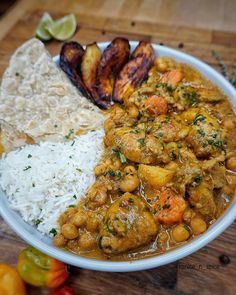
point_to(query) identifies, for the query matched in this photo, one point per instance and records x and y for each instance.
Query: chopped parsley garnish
(78, 169)
(140, 114)
(120, 155)
(166, 206)
(165, 85)
(167, 119)
(159, 134)
(199, 118)
(71, 131)
(73, 142)
(210, 141)
(17, 74)
(75, 197)
(53, 231)
(135, 131)
(105, 227)
(33, 184)
(55, 126)
(197, 179)
(201, 132)
(29, 156)
(173, 156)
(37, 221)
(219, 144)
(131, 200)
(27, 168)
(113, 173)
(71, 206)
(191, 98)
(141, 140)
(186, 227)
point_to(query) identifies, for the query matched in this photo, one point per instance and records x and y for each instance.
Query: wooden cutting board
(200, 273)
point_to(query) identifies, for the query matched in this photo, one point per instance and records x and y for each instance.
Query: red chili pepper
(62, 291)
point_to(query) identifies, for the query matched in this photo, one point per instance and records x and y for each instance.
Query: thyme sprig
(229, 75)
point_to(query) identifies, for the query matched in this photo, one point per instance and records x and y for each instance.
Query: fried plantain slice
(134, 72)
(70, 62)
(89, 66)
(114, 57)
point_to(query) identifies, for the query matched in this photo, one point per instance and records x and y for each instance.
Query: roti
(38, 99)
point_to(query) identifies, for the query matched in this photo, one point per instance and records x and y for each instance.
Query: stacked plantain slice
(108, 77)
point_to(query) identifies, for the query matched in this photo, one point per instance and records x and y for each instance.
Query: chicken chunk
(168, 129)
(205, 137)
(128, 224)
(201, 197)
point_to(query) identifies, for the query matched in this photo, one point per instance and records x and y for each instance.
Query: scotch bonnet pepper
(62, 291)
(10, 281)
(41, 270)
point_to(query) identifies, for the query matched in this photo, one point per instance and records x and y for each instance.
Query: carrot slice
(156, 105)
(171, 207)
(172, 78)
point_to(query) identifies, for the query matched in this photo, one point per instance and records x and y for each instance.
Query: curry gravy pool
(167, 171)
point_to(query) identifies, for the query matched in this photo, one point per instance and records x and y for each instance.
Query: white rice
(41, 181)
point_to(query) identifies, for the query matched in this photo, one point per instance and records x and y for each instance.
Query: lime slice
(41, 30)
(63, 28)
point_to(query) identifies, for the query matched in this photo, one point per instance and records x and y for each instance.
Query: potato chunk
(154, 175)
(128, 224)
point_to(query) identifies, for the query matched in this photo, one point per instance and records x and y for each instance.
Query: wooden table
(195, 27)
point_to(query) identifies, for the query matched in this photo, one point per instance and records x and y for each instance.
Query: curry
(167, 173)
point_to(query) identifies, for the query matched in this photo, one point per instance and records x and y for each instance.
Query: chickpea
(70, 212)
(92, 223)
(116, 164)
(130, 170)
(69, 231)
(227, 190)
(231, 179)
(97, 196)
(129, 183)
(133, 111)
(180, 233)
(162, 239)
(229, 123)
(171, 166)
(162, 65)
(231, 163)
(87, 241)
(198, 225)
(188, 214)
(79, 219)
(59, 240)
(108, 124)
(99, 169)
(62, 219)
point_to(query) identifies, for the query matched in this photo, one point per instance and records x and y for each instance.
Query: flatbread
(37, 98)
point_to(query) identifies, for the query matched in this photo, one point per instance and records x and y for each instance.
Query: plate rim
(146, 263)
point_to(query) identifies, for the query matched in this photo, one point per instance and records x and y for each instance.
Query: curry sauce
(167, 172)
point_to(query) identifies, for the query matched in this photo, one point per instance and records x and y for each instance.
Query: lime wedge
(41, 30)
(63, 28)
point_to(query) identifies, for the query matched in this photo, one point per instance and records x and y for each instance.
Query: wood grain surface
(195, 28)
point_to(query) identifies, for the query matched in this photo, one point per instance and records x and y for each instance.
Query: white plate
(34, 238)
